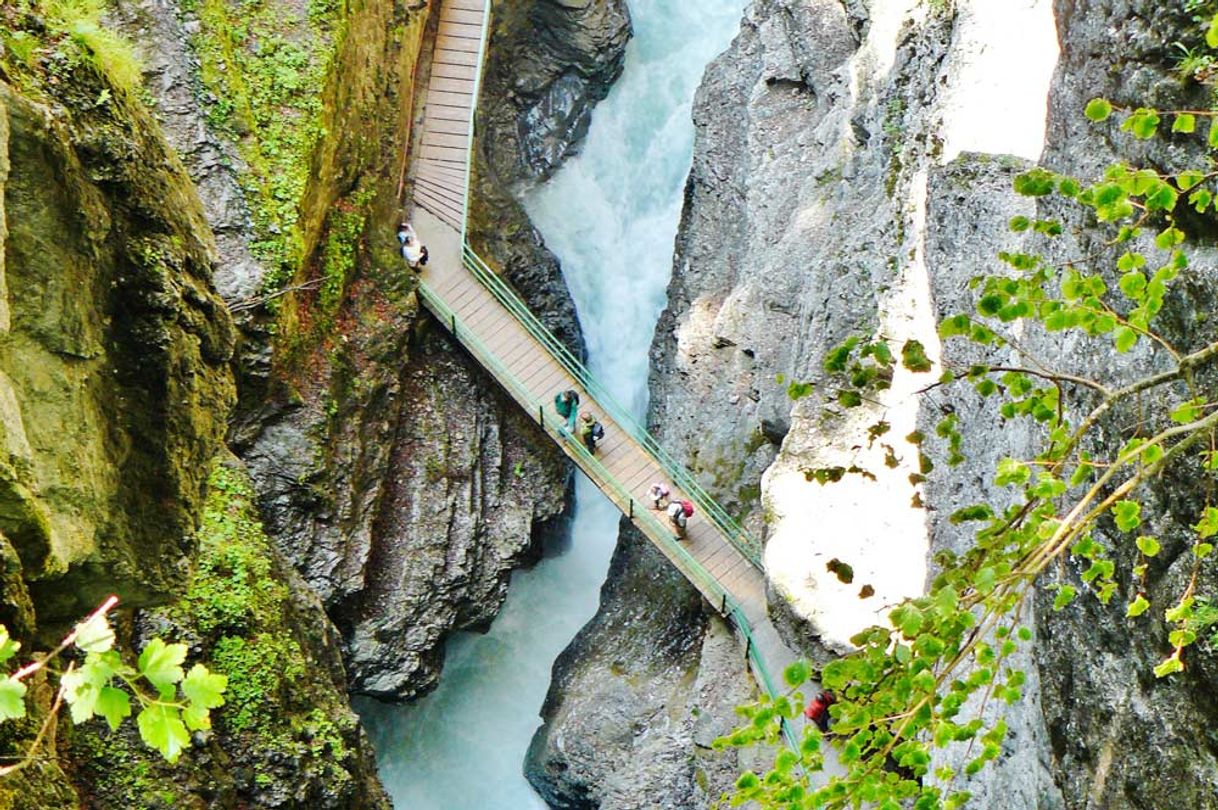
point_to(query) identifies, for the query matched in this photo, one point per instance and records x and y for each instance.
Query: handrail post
(748, 647)
(541, 415)
(454, 323)
(723, 608)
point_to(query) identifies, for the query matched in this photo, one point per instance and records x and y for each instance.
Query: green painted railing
(647, 520)
(744, 542)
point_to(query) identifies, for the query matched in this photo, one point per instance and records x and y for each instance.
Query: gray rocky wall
(399, 483)
(851, 173)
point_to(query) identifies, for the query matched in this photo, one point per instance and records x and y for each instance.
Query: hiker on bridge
(658, 494)
(818, 710)
(679, 513)
(567, 406)
(590, 431)
(413, 251)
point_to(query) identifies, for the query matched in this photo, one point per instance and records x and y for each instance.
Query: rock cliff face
(851, 174)
(549, 63)
(114, 378)
(640, 695)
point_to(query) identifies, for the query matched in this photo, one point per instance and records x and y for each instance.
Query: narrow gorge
(360, 564)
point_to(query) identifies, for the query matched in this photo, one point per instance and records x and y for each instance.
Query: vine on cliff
(924, 681)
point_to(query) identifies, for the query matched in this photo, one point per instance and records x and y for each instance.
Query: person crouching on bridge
(676, 516)
(590, 431)
(658, 495)
(413, 251)
(566, 405)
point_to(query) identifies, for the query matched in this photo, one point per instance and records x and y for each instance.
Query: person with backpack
(818, 710)
(566, 404)
(676, 516)
(590, 431)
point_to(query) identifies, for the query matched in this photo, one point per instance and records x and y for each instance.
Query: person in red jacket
(818, 710)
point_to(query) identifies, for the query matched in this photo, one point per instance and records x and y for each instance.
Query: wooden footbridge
(721, 559)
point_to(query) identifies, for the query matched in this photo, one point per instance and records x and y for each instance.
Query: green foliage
(103, 684)
(346, 226)
(904, 692)
(266, 76)
(74, 30)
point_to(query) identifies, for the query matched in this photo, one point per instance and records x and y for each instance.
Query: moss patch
(285, 735)
(265, 65)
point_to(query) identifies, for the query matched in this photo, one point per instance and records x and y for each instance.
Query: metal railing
(646, 519)
(743, 542)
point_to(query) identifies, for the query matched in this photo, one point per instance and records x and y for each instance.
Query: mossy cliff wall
(114, 349)
(115, 394)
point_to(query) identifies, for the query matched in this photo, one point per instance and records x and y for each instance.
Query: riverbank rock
(639, 695)
(549, 63)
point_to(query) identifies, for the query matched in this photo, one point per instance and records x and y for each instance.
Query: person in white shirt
(413, 250)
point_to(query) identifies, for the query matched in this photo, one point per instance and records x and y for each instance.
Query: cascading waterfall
(610, 215)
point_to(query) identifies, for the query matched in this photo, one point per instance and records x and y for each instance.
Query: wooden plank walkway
(483, 325)
(443, 148)
(527, 371)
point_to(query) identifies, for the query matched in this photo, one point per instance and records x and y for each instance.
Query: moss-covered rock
(114, 349)
(285, 736)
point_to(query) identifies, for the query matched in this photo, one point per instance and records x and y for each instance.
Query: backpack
(598, 431)
(423, 258)
(562, 406)
(687, 508)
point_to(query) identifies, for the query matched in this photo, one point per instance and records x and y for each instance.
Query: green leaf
(196, 717)
(1185, 122)
(1213, 135)
(206, 689)
(1148, 545)
(1127, 514)
(1130, 261)
(1020, 223)
(1169, 238)
(1133, 284)
(1187, 412)
(161, 663)
(794, 675)
(1208, 525)
(114, 705)
(1098, 109)
(1142, 123)
(1211, 34)
(799, 390)
(161, 727)
(81, 695)
(913, 356)
(1187, 179)
(1137, 607)
(94, 635)
(1124, 338)
(1163, 198)
(1169, 666)
(12, 699)
(8, 647)
(1035, 183)
(1065, 595)
(1011, 471)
